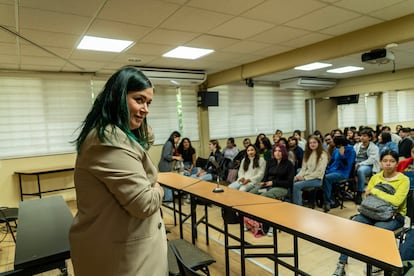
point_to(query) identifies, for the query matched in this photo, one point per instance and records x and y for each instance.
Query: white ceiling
(240, 31)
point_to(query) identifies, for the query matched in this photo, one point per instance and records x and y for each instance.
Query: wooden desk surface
(230, 197)
(175, 180)
(365, 241)
(45, 170)
(42, 232)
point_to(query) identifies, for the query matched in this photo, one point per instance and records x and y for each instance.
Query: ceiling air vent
(174, 77)
(307, 83)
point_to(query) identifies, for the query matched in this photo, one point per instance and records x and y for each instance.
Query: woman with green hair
(118, 229)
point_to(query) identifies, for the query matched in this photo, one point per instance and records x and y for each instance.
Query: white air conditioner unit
(174, 77)
(307, 83)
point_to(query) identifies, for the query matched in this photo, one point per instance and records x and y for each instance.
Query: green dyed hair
(111, 108)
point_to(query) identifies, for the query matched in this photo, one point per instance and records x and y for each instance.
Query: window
(397, 106)
(41, 115)
(363, 113)
(245, 111)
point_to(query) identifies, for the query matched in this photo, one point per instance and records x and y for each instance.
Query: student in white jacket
(366, 161)
(251, 170)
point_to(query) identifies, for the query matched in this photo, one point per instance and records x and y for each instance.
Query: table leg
(180, 211)
(275, 250)
(38, 186)
(193, 208)
(21, 188)
(242, 249)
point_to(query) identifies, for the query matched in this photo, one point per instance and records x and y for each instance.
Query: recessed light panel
(187, 52)
(103, 44)
(346, 69)
(313, 66)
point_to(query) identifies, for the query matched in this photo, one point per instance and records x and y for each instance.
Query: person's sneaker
(270, 232)
(245, 228)
(340, 270)
(358, 198)
(374, 270)
(326, 207)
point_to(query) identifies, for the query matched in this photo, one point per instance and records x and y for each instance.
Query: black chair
(8, 215)
(402, 231)
(184, 258)
(345, 189)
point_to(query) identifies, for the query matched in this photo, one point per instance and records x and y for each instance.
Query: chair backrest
(184, 269)
(410, 206)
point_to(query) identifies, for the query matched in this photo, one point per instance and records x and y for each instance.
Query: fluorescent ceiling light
(313, 66)
(345, 69)
(187, 52)
(103, 44)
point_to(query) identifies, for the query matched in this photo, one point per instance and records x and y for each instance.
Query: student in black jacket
(279, 174)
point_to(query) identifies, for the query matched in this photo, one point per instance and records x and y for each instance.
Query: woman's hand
(160, 190)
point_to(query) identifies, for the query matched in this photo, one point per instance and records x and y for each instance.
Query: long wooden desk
(226, 199)
(43, 235)
(176, 182)
(372, 245)
(37, 173)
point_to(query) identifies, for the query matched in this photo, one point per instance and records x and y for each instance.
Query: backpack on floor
(254, 226)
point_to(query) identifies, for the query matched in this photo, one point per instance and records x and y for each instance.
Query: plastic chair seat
(191, 255)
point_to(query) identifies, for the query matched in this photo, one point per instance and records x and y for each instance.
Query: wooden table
(226, 199)
(42, 235)
(369, 244)
(176, 182)
(37, 173)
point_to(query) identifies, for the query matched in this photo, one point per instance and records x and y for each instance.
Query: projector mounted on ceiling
(307, 83)
(378, 56)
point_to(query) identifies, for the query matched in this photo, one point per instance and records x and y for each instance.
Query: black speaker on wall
(350, 99)
(208, 98)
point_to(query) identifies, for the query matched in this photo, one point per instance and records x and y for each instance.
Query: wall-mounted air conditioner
(307, 83)
(174, 77)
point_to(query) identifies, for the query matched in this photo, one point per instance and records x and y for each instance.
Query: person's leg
(206, 177)
(235, 185)
(168, 194)
(392, 224)
(300, 185)
(246, 188)
(276, 192)
(407, 247)
(362, 172)
(328, 181)
(255, 190)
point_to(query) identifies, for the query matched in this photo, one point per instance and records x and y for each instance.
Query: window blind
(39, 116)
(245, 111)
(363, 113)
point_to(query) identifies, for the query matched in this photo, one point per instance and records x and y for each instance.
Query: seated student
(406, 166)
(328, 144)
(212, 168)
(298, 151)
(265, 149)
(399, 182)
(276, 137)
(231, 150)
(188, 153)
(313, 168)
(291, 155)
(339, 167)
(366, 161)
(301, 142)
(394, 137)
(278, 175)
(404, 146)
(385, 142)
(251, 170)
(241, 154)
(259, 137)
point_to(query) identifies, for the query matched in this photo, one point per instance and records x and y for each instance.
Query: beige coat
(118, 230)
